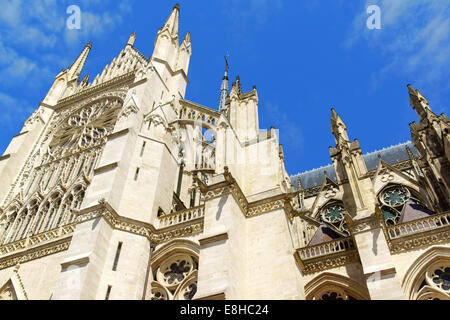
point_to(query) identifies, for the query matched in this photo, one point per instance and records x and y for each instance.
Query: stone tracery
(175, 278)
(393, 199)
(57, 176)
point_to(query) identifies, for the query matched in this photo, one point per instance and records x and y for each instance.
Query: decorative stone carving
(175, 278)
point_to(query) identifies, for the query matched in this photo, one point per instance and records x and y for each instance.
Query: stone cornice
(157, 236)
(327, 262)
(35, 252)
(365, 224)
(252, 209)
(129, 77)
(213, 239)
(172, 72)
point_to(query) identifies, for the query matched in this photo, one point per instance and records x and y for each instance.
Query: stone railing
(326, 255)
(194, 112)
(179, 217)
(43, 237)
(326, 248)
(418, 226)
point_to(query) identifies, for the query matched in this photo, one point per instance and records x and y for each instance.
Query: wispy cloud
(254, 13)
(13, 109)
(415, 36)
(290, 134)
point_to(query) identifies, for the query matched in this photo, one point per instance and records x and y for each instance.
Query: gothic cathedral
(119, 188)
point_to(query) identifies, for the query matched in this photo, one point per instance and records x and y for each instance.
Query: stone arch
(332, 282)
(399, 198)
(413, 281)
(173, 247)
(175, 271)
(13, 289)
(72, 200)
(414, 191)
(7, 219)
(48, 208)
(24, 218)
(339, 223)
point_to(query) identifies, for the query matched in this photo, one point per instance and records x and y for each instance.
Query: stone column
(378, 267)
(223, 246)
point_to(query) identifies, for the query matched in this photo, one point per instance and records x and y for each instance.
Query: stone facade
(120, 188)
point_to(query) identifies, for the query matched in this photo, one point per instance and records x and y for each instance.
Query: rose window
(441, 278)
(334, 214)
(393, 201)
(396, 197)
(175, 278)
(172, 272)
(86, 128)
(177, 272)
(435, 284)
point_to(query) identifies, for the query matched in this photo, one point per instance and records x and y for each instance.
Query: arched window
(436, 283)
(73, 200)
(55, 204)
(428, 277)
(333, 213)
(393, 200)
(175, 271)
(6, 224)
(332, 286)
(177, 278)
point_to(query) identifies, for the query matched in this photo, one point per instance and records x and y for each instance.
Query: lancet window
(60, 170)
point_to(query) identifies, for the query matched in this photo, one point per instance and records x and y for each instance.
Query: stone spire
(419, 103)
(172, 22)
(76, 68)
(224, 88)
(338, 127)
(131, 39)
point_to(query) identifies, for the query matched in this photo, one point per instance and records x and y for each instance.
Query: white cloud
(12, 65)
(415, 36)
(290, 134)
(253, 13)
(12, 110)
(29, 30)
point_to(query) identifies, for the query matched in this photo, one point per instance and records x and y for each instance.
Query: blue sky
(304, 57)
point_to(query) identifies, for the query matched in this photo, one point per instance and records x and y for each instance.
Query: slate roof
(413, 211)
(391, 155)
(323, 234)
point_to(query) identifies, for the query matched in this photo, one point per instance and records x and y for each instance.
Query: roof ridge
(311, 170)
(388, 148)
(364, 156)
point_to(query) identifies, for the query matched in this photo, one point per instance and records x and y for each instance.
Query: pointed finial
(338, 127)
(187, 38)
(131, 39)
(172, 21)
(224, 87)
(410, 154)
(75, 69)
